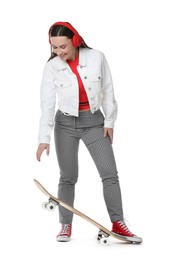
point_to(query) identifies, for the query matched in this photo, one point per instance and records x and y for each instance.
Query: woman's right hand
(40, 150)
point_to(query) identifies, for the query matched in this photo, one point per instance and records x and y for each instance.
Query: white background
(136, 37)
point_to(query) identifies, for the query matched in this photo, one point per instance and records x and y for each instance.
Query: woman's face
(63, 47)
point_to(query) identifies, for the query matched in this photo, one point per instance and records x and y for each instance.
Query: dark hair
(60, 30)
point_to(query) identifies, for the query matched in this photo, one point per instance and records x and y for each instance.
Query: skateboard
(103, 233)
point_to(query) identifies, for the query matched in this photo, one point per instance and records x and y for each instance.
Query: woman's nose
(59, 52)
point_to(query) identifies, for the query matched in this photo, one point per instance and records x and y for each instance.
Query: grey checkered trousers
(68, 132)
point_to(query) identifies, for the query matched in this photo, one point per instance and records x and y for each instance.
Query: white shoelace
(65, 229)
(124, 226)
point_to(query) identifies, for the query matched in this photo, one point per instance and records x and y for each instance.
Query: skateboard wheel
(49, 206)
(104, 241)
(99, 237)
(44, 205)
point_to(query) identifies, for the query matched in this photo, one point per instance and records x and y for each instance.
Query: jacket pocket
(96, 81)
(62, 84)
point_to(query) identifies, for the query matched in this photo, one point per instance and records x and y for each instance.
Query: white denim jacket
(58, 80)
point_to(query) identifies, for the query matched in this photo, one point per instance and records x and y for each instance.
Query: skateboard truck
(50, 205)
(102, 237)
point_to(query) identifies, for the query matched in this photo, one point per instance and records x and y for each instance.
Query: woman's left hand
(109, 132)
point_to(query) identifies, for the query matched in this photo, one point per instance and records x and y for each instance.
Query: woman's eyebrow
(63, 45)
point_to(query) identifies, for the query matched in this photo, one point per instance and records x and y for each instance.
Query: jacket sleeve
(109, 103)
(48, 102)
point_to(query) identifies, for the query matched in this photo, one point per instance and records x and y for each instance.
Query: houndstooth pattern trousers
(68, 132)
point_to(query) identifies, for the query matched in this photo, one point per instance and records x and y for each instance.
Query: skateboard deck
(103, 234)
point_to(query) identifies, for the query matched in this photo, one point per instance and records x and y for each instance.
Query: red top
(83, 99)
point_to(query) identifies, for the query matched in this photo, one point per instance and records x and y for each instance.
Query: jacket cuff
(44, 140)
(108, 124)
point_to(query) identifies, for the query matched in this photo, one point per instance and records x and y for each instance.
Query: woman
(81, 78)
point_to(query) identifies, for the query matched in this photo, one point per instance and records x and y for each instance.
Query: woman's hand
(40, 150)
(109, 132)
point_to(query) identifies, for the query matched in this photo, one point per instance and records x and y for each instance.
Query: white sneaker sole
(135, 239)
(62, 238)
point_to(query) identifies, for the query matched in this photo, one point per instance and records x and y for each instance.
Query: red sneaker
(120, 228)
(65, 233)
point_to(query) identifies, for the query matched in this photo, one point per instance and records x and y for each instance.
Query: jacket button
(99, 77)
(85, 77)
